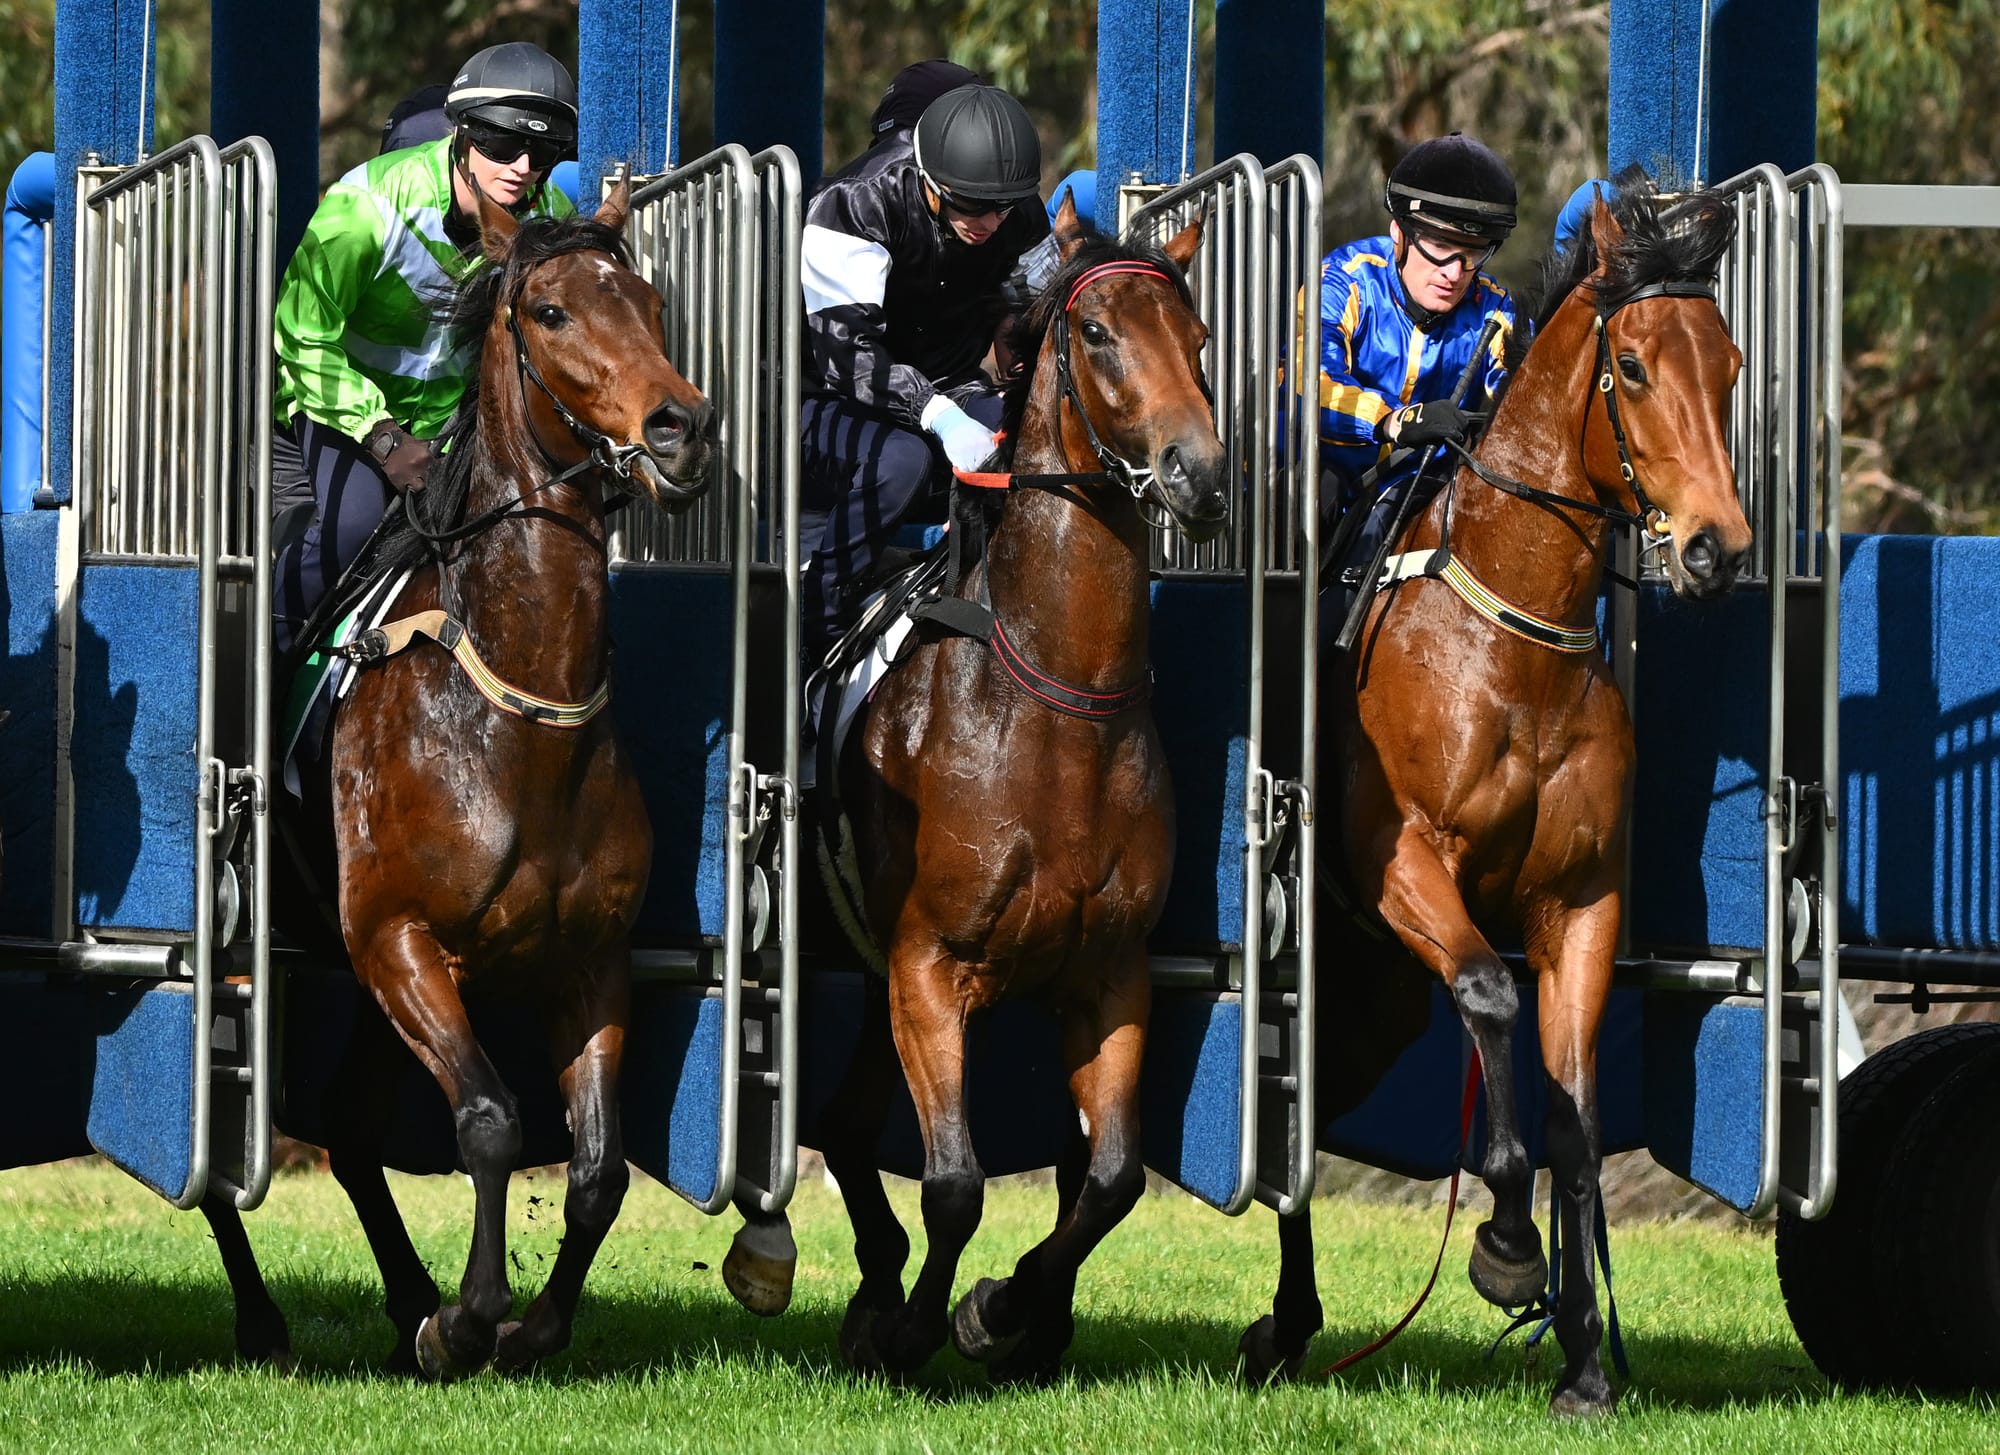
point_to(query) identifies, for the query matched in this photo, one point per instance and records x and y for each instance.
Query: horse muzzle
(679, 444)
(1704, 564)
(1190, 486)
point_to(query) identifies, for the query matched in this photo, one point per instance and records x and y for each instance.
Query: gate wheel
(1937, 1243)
(1828, 1269)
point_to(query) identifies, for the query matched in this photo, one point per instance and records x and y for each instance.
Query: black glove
(1417, 425)
(403, 459)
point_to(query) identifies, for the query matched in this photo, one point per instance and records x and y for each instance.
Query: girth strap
(380, 643)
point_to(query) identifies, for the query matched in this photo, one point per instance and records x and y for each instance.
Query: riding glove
(1417, 425)
(403, 459)
(968, 444)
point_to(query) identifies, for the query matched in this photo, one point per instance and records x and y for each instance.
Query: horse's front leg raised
(1103, 1044)
(588, 1045)
(1574, 981)
(928, 1019)
(1421, 903)
(410, 975)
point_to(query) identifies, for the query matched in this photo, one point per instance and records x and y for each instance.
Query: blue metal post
(770, 77)
(1711, 105)
(104, 104)
(1270, 78)
(628, 87)
(264, 81)
(1145, 96)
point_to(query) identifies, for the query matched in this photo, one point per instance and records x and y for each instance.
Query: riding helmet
(976, 144)
(517, 87)
(1457, 182)
(915, 87)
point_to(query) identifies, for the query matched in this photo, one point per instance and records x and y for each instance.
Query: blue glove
(968, 444)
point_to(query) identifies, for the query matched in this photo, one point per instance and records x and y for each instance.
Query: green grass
(115, 1333)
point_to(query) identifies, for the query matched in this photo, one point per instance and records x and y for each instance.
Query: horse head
(1125, 342)
(1665, 366)
(586, 329)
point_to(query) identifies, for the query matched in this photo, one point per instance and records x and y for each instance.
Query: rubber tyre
(1827, 1269)
(1937, 1239)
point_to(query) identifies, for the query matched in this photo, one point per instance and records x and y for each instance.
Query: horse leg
(1103, 1045)
(1422, 904)
(589, 1044)
(412, 977)
(1274, 1348)
(261, 1336)
(850, 1139)
(363, 1097)
(762, 1261)
(1574, 988)
(928, 1020)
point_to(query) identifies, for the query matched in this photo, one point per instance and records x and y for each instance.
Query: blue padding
(1702, 727)
(1704, 1092)
(627, 74)
(671, 1089)
(142, 1090)
(28, 741)
(1200, 648)
(1920, 742)
(770, 78)
(264, 81)
(31, 197)
(1656, 80)
(1270, 78)
(1145, 105)
(670, 690)
(1763, 85)
(320, 1008)
(132, 753)
(1410, 1123)
(46, 1056)
(1190, 1117)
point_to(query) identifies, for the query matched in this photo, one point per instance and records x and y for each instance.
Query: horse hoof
(1502, 1281)
(1263, 1365)
(968, 1325)
(434, 1361)
(515, 1351)
(759, 1267)
(857, 1339)
(1579, 1403)
(1028, 1366)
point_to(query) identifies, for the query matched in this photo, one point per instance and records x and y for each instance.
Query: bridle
(1138, 480)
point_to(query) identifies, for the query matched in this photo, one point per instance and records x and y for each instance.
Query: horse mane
(1033, 326)
(440, 505)
(1670, 237)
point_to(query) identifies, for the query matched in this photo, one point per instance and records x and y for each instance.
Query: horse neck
(1067, 569)
(533, 589)
(1543, 558)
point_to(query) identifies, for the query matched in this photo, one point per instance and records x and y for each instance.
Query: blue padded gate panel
(1697, 803)
(672, 1115)
(670, 689)
(46, 1047)
(142, 1113)
(28, 742)
(1201, 688)
(132, 750)
(1705, 1092)
(1190, 1108)
(1920, 741)
(1410, 1123)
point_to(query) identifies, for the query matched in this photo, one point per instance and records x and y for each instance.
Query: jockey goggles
(973, 206)
(503, 147)
(1473, 255)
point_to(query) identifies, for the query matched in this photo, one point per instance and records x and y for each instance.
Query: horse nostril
(1173, 469)
(1701, 555)
(668, 426)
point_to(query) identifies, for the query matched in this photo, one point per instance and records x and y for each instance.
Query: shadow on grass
(139, 1326)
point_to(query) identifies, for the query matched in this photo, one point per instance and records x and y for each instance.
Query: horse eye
(550, 316)
(1631, 368)
(1094, 333)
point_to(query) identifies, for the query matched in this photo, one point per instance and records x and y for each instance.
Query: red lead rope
(1450, 1207)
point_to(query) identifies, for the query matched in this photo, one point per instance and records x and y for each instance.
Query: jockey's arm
(323, 283)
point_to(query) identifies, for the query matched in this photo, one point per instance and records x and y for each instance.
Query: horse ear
(1068, 227)
(617, 202)
(1180, 247)
(1605, 231)
(497, 225)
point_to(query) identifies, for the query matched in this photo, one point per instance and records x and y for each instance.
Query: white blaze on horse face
(1083, 1119)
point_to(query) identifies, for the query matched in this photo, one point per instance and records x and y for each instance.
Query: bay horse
(1012, 811)
(486, 825)
(1486, 756)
